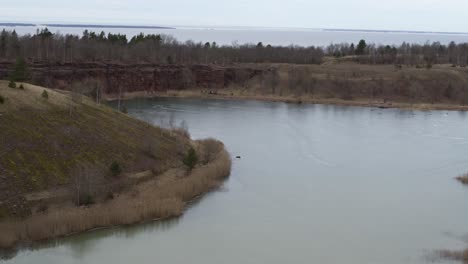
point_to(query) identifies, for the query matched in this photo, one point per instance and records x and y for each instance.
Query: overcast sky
(428, 15)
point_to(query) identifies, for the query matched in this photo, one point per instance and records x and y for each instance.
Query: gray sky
(428, 15)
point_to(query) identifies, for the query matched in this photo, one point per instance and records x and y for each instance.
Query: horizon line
(96, 25)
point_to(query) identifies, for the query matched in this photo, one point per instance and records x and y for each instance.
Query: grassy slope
(41, 143)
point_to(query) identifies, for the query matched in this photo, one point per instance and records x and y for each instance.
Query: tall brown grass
(454, 255)
(163, 201)
(463, 178)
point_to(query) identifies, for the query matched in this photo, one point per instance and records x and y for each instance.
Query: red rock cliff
(132, 78)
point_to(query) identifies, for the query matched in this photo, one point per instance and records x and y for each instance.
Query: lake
(315, 184)
(272, 36)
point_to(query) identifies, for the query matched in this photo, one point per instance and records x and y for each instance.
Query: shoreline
(163, 197)
(199, 94)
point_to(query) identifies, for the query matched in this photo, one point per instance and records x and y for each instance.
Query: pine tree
(190, 159)
(115, 169)
(20, 71)
(45, 94)
(361, 47)
(12, 84)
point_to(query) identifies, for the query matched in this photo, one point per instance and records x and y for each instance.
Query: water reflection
(316, 183)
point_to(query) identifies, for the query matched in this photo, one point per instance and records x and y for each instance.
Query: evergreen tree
(3, 43)
(361, 47)
(45, 94)
(12, 84)
(115, 169)
(19, 71)
(190, 159)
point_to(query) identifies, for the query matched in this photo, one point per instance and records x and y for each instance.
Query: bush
(190, 159)
(2, 99)
(86, 200)
(45, 94)
(12, 84)
(21, 87)
(463, 179)
(115, 169)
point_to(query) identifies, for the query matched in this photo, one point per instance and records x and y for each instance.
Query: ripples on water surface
(316, 184)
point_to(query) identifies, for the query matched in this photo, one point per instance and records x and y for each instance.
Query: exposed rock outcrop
(113, 78)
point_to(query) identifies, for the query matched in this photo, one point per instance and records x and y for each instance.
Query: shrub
(115, 169)
(86, 200)
(2, 99)
(45, 94)
(21, 87)
(463, 179)
(190, 159)
(454, 255)
(12, 84)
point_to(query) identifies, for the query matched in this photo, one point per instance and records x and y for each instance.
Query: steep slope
(43, 140)
(59, 150)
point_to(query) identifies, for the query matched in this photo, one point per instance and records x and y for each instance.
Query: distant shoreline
(82, 26)
(17, 25)
(225, 95)
(65, 25)
(392, 31)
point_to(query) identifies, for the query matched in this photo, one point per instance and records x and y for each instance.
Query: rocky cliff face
(112, 78)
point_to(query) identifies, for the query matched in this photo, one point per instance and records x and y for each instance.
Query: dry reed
(166, 201)
(463, 178)
(454, 255)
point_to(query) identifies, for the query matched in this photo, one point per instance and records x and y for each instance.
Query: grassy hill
(44, 142)
(68, 165)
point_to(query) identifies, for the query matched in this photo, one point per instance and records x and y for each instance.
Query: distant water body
(272, 36)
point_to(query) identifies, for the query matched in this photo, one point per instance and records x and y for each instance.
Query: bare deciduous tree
(83, 183)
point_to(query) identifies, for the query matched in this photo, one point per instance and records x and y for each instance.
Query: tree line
(45, 46)
(405, 54)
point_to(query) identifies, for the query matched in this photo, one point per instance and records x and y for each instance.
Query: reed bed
(454, 255)
(463, 178)
(168, 200)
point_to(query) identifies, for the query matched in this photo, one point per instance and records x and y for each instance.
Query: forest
(45, 46)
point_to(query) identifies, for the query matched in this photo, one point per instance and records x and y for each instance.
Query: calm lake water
(315, 184)
(272, 36)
